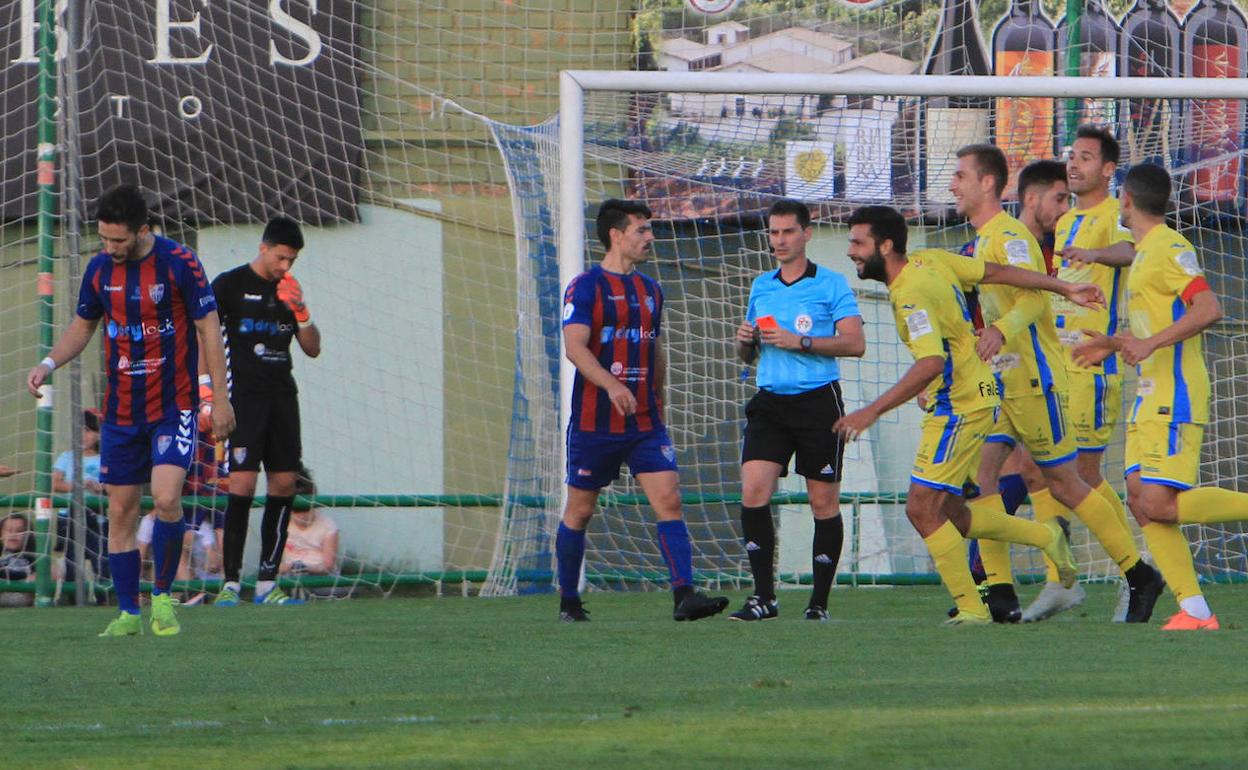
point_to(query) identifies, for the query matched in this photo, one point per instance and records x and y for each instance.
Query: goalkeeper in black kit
(262, 310)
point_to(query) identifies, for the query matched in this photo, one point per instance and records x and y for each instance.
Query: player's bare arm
(211, 343)
(913, 382)
(1204, 312)
(309, 338)
(660, 371)
(1097, 347)
(1120, 254)
(576, 343)
(71, 343)
(1087, 295)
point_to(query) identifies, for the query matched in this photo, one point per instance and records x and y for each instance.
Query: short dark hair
(123, 205)
(1040, 173)
(613, 214)
(1110, 150)
(886, 222)
(1149, 185)
(91, 419)
(283, 231)
(989, 161)
(790, 206)
(28, 542)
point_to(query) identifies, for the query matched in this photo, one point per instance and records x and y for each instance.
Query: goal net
(709, 152)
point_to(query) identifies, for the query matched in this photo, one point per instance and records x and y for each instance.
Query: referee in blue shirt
(800, 319)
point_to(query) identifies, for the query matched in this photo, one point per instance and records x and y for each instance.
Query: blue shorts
(128, 452)
(594, 459)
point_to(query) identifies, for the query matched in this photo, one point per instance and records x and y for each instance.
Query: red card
(767, 322)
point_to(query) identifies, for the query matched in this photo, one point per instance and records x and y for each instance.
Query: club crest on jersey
(156, 291)
(617, 368)
(240, 454)
(650, 304)
(803, 323)
(668, 451)
(1017, 252)
(162, 444)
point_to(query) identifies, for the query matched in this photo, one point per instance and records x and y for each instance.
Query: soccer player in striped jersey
(1169, 305)
(612, 327)
(158, 311)
(933, 320)
(802, 317)
(1020, 339)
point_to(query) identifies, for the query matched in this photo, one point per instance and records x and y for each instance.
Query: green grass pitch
(474, 683)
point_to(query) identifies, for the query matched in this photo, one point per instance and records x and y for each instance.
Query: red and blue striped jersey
(623, 313)
(149, 307)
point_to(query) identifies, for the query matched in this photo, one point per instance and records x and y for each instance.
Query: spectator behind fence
(312, 538)
(17, 558)
(96, 534)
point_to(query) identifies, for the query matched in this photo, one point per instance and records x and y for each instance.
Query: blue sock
(1013, 492)
(569, 554)
(975, 562)
(125, 569)
(166, 553)
(677, 552)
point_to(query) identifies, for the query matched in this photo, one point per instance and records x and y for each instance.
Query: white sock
(264, 586)
(1197, 607)
(231, 585)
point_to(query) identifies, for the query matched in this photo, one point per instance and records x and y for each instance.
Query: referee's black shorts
(267, 432)
(779, 426)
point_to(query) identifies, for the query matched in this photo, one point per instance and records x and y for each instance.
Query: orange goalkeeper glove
(205, 404)
(291, 294)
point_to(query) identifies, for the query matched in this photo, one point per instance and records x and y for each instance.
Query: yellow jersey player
(1090, 245)
(1020, 338)
(934, 322)
(1169, 305)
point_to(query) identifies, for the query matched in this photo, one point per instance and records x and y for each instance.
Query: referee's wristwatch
(806, 343)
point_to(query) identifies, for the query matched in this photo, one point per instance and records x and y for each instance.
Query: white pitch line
(408, 719)
(201, 724)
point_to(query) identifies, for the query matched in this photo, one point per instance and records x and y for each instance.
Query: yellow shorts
(1095, 407)
(1038, 422)
(1165, 452)
(949, 449)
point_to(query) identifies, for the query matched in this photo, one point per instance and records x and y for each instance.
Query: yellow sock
(1212, 505)
(1174, 558)
(989, 520)
(948, 550)
(1047, 508)
(995, 554)
(1109, 493)
(1106, 525)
